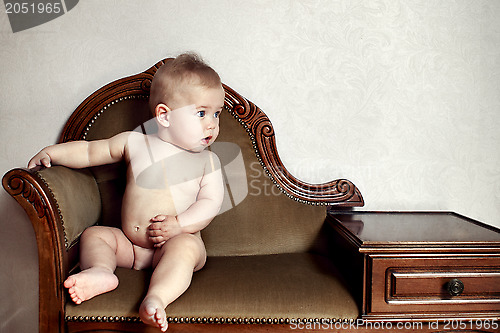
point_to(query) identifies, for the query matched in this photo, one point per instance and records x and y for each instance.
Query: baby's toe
(69, 282)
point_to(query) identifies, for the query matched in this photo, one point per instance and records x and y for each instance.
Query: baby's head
(186, 99)
(177, 78)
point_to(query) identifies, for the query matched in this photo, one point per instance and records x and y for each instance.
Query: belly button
(136, 228)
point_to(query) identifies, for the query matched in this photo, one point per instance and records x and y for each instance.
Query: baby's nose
(211, 124)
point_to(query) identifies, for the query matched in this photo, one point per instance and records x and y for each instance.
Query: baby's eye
(217, 114)
(201, 114)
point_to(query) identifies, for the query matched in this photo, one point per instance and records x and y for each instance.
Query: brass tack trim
(66, 243)
(100, 112)
(209, 320)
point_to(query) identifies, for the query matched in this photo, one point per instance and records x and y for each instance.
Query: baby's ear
(162, 114)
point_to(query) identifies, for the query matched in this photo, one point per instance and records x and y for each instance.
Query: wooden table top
(439, 228)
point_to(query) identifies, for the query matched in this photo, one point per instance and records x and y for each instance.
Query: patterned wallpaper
(401, 97)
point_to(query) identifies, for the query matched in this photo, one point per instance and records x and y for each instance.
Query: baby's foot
(89, 283)
(152, 312)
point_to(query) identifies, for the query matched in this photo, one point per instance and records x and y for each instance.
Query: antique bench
(265, 264)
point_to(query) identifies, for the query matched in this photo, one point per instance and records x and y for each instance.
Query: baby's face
(194, 119)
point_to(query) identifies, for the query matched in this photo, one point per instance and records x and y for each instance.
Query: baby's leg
(101, 250)
(143, 258)
(175, 263)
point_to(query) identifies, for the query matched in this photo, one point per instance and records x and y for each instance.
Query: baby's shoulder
(135, 143)
(133, 136)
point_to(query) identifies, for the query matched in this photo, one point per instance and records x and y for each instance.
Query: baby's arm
(82, 154)
(208, 201)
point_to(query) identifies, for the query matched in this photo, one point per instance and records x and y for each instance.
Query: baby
(174, 189)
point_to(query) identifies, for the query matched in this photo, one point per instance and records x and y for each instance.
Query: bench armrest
(77, 197)
(60, 204)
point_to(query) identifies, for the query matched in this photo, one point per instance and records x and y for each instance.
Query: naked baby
(174, 189)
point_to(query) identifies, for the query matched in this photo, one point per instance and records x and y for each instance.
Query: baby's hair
(172, 77)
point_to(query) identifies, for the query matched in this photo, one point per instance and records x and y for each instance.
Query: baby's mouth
(206, 140)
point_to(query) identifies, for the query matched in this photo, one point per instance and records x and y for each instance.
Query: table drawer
(431, 284)
(443, 284)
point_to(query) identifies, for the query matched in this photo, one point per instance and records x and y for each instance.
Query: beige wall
(401, 97)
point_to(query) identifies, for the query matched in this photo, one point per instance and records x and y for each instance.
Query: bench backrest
(270, 210)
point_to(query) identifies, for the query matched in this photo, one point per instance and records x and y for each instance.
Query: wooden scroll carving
(253, 119)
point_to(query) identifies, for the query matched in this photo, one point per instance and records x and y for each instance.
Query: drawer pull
(455, 287)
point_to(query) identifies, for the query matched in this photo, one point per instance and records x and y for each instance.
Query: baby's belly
(137, 233)
(141, 205)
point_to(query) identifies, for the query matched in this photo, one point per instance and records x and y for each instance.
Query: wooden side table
(419, 266)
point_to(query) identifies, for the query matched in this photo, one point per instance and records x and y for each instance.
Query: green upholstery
(270, 286)
(77, 196)
(234, 231)
(259, 264)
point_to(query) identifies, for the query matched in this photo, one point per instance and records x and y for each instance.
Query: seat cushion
(281, 286)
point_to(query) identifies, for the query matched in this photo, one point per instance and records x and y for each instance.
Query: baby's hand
(162, 228)
(42, 158)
